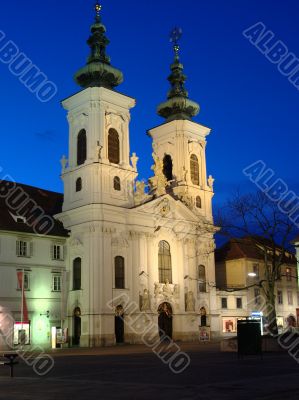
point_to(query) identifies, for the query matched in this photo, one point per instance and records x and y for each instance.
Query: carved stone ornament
(165, 207)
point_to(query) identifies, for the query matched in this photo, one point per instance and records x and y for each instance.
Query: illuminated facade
(42, 259)
(240, 264)
(153, 249)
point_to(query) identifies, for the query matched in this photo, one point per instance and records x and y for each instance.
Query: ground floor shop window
(229, 325)
(21, 333)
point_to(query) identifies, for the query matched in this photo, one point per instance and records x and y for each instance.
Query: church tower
(98, 179)
(181, 143)
(98, 169)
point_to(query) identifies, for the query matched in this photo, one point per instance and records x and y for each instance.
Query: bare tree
(270, 230)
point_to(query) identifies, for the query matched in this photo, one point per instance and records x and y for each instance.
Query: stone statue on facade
(63, 163)
(211, 181)
(176, 291)
(159, 181)
(157, 290)
(134, 161)
(167, 290)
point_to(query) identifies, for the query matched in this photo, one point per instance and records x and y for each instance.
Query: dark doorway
(77, 326)
(167, 167)
(119, 325)
(165, 320)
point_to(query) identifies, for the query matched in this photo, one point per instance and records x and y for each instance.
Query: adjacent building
(240, 267)
(30, 257)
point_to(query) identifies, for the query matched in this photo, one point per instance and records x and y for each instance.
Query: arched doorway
(165, 319)
(203, 316)
(119, 325)
(77, 326)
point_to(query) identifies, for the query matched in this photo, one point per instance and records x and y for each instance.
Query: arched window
(77, 273)
(198, 202)
(194, 169)
(165, 269)
(78, 185)
(167, 167)
(119, 269)
(81, 147)
(116, 183)
(201, 276)
(113, 146)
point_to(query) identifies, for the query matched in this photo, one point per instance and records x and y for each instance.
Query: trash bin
(249, 337)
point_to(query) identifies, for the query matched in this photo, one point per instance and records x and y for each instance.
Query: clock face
(175, 35)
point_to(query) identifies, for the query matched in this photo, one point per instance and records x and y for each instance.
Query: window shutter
(17, 247)
(31, 249)
(62, 249)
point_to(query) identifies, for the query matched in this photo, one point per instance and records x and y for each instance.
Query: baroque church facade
(129, 243)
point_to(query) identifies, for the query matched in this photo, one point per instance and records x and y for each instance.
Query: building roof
(248, 247)
(13, 218)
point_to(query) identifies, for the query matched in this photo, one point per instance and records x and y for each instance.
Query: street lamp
(252, 274)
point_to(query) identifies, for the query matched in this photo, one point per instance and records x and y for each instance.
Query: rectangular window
(256, 270)
(257, 296)
(56, 285)
(290, 298)
(288, 274)
(239, 302)
(26, 282)
(24, 248)
(223, 302)
(57, 252)
(279, 297)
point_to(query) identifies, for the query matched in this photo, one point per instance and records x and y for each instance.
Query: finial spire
(98, 8)
(178, 106)
(175, 36)
(98, 72)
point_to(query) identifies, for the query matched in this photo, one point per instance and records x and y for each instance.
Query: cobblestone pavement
(134, 372)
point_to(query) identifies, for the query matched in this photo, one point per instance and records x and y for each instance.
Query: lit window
(21, 333)
(56, 283)
(57, 252)
(164, 262)
(223, 302)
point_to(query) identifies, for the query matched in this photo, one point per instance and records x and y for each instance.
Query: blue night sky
(251, 108)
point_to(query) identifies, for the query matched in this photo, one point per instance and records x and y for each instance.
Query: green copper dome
(177, 105)
(98, 70)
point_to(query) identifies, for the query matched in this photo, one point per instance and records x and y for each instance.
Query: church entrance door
(165, 320)
(119, 325)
